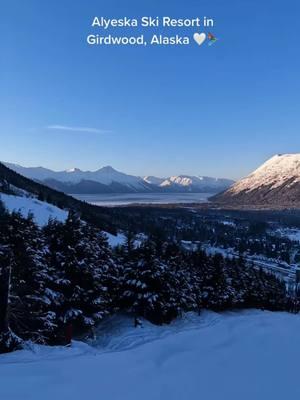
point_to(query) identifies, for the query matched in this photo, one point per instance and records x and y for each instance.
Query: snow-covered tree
(81, 259)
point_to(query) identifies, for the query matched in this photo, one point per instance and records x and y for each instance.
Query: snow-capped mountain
(84, 181)
(196, 183)
(276, 182)
(109, 180)
(105, 175)
(154, 180)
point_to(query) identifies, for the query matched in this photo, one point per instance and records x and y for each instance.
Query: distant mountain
(196, 184)
(109, 180)
(153, 180)
(274, 183)
(107, 176)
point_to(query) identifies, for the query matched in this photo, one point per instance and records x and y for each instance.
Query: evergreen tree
(31, 311)
(81, 258)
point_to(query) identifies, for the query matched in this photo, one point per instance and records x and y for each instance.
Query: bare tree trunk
(8, 340)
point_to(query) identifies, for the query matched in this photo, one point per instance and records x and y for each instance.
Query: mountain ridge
(275, 183)
(109, 180)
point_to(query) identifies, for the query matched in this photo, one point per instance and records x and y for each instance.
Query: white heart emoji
(199, 38)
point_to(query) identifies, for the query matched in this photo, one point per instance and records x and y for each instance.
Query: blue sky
(216, 110)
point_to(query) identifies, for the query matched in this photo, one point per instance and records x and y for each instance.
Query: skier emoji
(212, 39)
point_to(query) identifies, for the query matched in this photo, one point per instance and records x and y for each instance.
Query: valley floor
(239, 355)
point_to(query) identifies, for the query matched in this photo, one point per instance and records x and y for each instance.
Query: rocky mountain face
(109, 180)
(274, 183)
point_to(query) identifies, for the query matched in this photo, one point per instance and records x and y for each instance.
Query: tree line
(66, 275)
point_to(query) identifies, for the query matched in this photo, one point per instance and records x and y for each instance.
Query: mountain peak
(275, 182)
(153, 180)
(107, 168)
(73, 170)
(281, 164)
(119, 182)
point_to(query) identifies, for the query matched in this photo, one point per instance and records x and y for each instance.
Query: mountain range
(109, 180)
(274, 183)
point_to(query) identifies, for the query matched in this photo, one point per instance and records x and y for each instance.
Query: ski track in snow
(119, 334)
(243, 355)
(116, 334)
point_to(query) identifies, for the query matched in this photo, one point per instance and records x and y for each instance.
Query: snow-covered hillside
(41, 210)
(250, 355)
(277, 181)
(274, 172)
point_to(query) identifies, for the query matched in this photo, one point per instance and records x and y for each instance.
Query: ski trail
(118, 334)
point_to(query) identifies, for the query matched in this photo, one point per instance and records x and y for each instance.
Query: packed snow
(243, 355)
(41, 210)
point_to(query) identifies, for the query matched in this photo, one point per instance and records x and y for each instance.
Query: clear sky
(216, 110)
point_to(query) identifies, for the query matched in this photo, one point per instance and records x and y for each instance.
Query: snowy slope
(277, 181)
(250, 355)
(153, 180)
(274, 172)
(42, 211)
